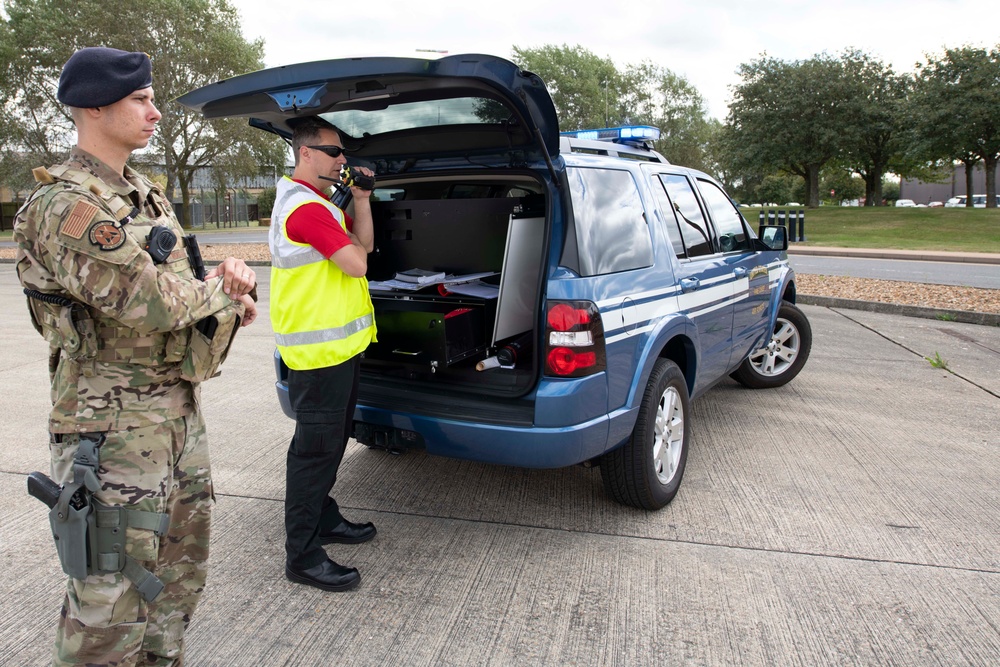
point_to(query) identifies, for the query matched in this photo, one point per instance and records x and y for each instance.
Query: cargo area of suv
(486, 236)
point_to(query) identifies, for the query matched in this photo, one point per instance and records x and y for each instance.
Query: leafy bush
(265, 202)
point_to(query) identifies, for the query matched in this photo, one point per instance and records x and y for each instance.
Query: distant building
(236, 203)
(922, 193)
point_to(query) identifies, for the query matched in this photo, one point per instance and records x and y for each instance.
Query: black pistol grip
(43, 488)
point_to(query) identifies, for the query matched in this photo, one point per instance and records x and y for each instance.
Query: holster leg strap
(147, 583)
(109, 527)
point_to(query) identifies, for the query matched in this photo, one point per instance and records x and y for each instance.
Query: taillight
(574, 339)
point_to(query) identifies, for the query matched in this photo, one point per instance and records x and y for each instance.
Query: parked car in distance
(905, 203)
(935, 204)
(978, 201)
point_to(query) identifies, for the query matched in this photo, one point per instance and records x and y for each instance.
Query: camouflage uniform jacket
(81, 235)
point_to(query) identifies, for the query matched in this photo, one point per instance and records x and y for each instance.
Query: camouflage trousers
(161, 468)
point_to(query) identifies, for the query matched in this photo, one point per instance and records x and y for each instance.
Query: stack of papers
(420, 276)
(467, 284)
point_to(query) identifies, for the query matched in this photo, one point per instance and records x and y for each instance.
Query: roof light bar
(625, 133)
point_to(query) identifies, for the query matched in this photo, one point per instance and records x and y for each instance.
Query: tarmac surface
(851, 517)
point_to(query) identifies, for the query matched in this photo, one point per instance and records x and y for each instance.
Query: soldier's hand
(250, 314)
(238, 278)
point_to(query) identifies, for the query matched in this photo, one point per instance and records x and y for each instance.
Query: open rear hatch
(463, 148)
(398, 108)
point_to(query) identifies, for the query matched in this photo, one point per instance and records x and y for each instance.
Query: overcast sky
(705, 41)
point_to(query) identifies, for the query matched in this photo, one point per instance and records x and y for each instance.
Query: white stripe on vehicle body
(653, 305)
(694, 305)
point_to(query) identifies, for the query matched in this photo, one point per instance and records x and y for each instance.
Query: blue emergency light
(625, 134)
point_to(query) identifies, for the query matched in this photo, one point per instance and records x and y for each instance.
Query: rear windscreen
(412, 115)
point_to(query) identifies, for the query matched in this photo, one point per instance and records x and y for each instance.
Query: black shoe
(327, 575)
(348, 533)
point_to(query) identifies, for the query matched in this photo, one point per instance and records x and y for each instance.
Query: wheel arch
(783, 289)
(674, 339)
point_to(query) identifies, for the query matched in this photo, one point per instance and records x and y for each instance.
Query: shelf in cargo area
(430, 331)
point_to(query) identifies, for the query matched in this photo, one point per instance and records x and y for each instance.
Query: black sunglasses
(332, 151)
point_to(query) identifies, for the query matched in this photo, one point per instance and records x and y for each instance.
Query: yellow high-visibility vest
(320, 315)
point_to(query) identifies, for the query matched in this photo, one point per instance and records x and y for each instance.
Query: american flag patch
(81, 215)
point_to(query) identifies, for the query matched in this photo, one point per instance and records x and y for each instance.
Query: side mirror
(774, 237)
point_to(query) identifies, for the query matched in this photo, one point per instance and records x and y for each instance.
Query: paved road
(850, 518)
(914, 271)
(253, 235)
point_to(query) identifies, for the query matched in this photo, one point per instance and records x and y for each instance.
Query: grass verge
(949, 229)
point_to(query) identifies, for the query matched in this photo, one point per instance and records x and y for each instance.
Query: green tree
(877, 102)
(790, 116)
(190, 42)
(890, 192)
(265, 202)
(587, 90)
(776, 189)
(840, 185)
(591, 92)
(955, 111)
(657, 96)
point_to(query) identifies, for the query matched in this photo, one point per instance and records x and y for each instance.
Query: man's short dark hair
(307, 131)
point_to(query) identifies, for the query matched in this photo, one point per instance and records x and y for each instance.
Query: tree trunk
(991, 181)
(877, 191)
(969, 165)
(812, 185)
(168, 167)
(186, 201)
(869, 189)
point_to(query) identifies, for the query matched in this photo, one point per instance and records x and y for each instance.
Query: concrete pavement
(849, 518)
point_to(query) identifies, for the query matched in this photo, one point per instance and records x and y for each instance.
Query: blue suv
(542, 299)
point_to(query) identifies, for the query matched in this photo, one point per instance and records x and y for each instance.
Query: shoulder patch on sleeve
(107, 236)
(78, 220)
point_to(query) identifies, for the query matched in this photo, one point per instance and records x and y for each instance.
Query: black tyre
(646, 471)
(783, 355)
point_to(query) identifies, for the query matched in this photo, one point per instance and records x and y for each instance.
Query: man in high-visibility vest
(323, 320)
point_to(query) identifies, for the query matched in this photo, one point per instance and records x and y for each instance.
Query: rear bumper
(529, 434)
(527, 447)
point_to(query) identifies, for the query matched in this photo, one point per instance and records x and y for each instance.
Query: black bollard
(791, 225)
(760, 217)
(802, 224)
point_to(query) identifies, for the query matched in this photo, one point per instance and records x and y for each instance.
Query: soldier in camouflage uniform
(126, 357)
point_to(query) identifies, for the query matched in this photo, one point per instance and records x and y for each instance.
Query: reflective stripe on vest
(326, 335)
(309, 335)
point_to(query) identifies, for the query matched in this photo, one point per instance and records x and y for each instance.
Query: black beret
(97, 76)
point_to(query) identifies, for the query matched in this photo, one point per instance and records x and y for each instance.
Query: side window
(690, 220)
(609, 221)
(728, 221)
(670, 220)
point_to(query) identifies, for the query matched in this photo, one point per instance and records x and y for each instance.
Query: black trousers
(323, 400)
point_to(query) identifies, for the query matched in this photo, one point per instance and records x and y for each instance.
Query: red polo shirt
(314, 224)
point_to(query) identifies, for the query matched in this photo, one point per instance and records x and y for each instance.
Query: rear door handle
(689, 284)
(740, 272)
